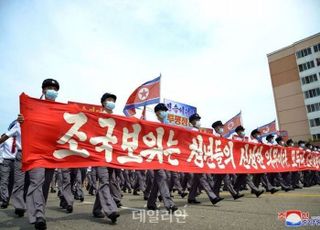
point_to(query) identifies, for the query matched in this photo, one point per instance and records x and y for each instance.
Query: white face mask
(51, 94)
(220, 130)
(197, 124)
(110, 105)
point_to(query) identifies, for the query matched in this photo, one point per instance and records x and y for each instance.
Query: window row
(305, 66)
(308, 79)
(303, 53)
(312, 93)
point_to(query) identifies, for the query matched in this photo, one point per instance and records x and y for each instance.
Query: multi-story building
(295, 76)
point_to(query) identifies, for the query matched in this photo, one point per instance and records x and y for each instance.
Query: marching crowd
(28, 191)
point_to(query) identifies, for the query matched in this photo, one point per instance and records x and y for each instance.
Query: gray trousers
(127, 181)
(104, 201)
(66, 187)
(149, 183)
(6, 182)
(140, 182)
(263, 178)
(199, 179)
(174, 182)
(245, 179)
(114, 184)
(92, 180)
(40, 179)
(160, 184)
(227, 182)
(186, 181)
(76, 181)
(17, 197)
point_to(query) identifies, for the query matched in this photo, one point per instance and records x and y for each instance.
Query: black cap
(270, 136)
(308, 145)
(50, 82)
(108, 95)
(278, 139)
(160, 107)
(301, 142)
(216, 124)
(289, 142)
(194, 116)
(239, 128)
(255, 131)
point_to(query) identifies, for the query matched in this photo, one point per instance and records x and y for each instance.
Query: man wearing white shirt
(218, 178)
(159, 183)
(200, 178)
(13, 137)
(243, 179)
(261, 177)
(8, 152)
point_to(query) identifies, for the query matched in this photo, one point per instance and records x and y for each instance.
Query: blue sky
(212, 54)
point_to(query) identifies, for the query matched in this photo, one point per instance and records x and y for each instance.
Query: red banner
(56, 135)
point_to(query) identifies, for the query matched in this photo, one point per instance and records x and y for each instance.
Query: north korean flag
(267, 129)
(146, 94)
(230, 126)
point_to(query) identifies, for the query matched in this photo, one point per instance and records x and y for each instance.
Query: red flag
(267, 129)
(146, 94)
(230, 126)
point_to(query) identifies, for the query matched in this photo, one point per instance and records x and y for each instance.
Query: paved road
(247, 213)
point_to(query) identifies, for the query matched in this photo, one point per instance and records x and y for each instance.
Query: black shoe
(118, 204)
(216, 200)
(4, 205)
(40, 223)
(160, 198)
(172, 196)
(52, 190)
(98, 215)
(81, 199)
(194, 201)
(258, 193)
(152, 208)
(237, 196)
(286, 189)
(135, 193)
(63, 203)
(113, 217)
(19, 212)
(183, 194)
(274, 190)
(129, 191)
(172, 209)
(69, 209)
(145, 198)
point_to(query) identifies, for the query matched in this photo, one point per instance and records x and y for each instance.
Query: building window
(318, 61)
(309, 79)
(305, 66)
(314, 122)
(316, 136)
(303, 53)
(312, 93)
(316, 48)
(313, 107)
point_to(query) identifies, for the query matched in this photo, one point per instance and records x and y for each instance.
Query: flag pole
(160, 87)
